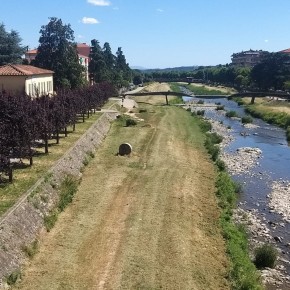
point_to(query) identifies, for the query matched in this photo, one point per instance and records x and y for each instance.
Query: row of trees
(24, 120)
(104, 65)
(57, 51)
(273, 72)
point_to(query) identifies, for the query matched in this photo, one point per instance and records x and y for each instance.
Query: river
(272, 166)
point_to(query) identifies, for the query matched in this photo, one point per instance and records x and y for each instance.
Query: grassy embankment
(243, 273)
(272, 112)
(200, 89)
(24, 176)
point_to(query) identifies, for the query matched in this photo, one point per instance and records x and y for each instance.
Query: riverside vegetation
(243, 274)
(271, 111)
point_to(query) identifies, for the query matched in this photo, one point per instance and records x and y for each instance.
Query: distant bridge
(252, 95)
(177, 94)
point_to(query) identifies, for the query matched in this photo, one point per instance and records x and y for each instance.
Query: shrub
(200, 112)
(130, 122)
(265, 256)
(68, 189)
(247, 120)
(31, 249)
(212, 149)
(50, 220)
(214, 138)
(13, 277)
(239, 101)
(231, 114)
(220, 107)
(204, 125)
(220, 164)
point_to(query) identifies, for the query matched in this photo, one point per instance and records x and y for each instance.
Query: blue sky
(160, 33)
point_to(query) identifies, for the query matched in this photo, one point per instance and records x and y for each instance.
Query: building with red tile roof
(19, 78)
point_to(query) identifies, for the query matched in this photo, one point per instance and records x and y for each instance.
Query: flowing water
(274, 165)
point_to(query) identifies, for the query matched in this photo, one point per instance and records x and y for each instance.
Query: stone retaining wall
(20, 226)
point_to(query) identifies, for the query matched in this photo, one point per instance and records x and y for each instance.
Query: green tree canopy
(57, 51)
(123, 71)
(97, 65)
(272, 71)
(11, 49)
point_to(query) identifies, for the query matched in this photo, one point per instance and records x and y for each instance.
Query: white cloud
(160, 10)
(89, 20)
(266, 40)
(99, 2)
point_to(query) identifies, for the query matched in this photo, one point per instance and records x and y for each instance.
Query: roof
(32, 51)
(285, 51)
(83, 49)
(22, 70)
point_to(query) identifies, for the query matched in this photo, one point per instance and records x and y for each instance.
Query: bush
(220, 107)
(247, 120)
(200, 112)
(265, 256)
(214, 138)
(130, 122)
(205, 126)
(50, 220)
(68, 189)
(220, 164)
(13, 277)
(31, 249)
(231, 114)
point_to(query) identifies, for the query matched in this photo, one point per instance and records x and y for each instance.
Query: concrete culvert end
(125, 149)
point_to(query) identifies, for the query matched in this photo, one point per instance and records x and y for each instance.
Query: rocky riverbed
(242, 162)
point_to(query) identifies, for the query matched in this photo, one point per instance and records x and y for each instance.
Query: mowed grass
(24, 176)
(145, 221)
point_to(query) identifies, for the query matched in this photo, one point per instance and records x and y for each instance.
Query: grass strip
(243, 273)
(280, 119)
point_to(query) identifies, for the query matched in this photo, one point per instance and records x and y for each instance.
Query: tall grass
(280, 119)
(68, 188)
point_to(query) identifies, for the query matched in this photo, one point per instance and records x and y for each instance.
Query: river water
(272, 166)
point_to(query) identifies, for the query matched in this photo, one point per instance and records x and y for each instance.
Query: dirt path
(148, 221)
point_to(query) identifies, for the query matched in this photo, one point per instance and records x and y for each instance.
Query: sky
(160, 33)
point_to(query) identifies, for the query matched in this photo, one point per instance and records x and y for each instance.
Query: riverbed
(257, 156)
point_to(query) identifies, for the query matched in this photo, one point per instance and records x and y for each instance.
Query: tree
(109, 59)
(11, 49)
(97, 65)
(272, 71)
(57, 51)
(123, 70)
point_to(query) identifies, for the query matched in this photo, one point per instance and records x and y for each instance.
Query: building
(247, 58)
(286, 51)
(19, 78)
(83, 53)
(30, 55)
